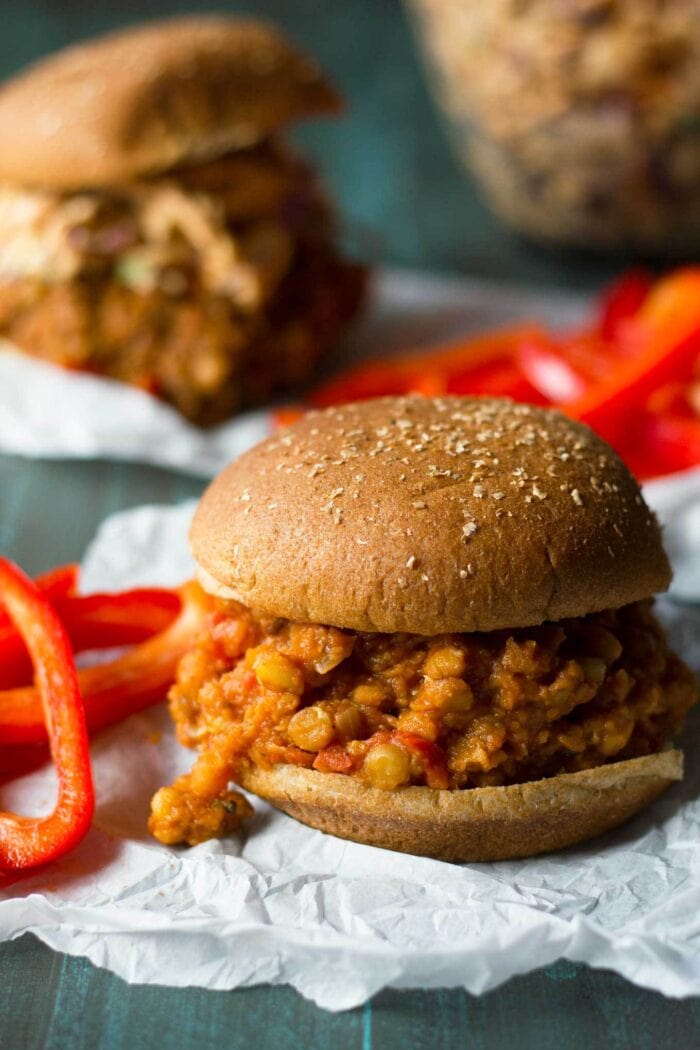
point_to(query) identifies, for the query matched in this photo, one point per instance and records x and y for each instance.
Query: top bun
(429, 516)
(153, 97)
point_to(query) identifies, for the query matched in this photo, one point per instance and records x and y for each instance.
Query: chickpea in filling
(453, 711)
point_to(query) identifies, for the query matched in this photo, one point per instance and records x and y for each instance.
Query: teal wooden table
(389, 163)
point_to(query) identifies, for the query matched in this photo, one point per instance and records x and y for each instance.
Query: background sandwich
(153, 225)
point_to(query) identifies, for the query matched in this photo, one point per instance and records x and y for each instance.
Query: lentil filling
(453, 711)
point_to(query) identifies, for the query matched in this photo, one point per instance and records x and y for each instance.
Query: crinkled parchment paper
(48, 412)
(337, 920)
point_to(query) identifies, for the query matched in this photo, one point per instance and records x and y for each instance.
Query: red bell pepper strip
(286, 415)
(665, 332)
(60, 582)
(54, 584)
(97, 621)
(675, 441)
(588, 354)
(26, 842)
(427, 371)
(645, 336)
(499, 378)
(548, 371)
(675, 399)
(609, 406)
(113, 691)
(622, 301)
(429, 384)
(671, 311)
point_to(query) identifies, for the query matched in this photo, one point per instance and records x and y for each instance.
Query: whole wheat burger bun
(429, 516)
(477, 824)
(153, 97)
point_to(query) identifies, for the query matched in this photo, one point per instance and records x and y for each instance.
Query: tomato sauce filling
(211, 286)
(449, 712)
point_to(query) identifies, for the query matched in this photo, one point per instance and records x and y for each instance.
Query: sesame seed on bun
(427, 516)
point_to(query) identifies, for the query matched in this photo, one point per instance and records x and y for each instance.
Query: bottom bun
(479, 824)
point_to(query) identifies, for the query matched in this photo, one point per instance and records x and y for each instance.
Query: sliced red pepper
(671, 311)
(426, 372)
(622, 301)
(646, 335)
(609, 406)
(15, 664)
(675, 441)
(662, 342)
(286, 415)
(97, 621)
(589, 355)
(548, 371)
(54, 584)
(430, 384)
(60, 582)
(26, 842)
(499, 378)
(673, 399)
(113, 691)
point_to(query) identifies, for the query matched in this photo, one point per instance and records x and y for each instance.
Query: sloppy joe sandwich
(434, 632)
(154, 225)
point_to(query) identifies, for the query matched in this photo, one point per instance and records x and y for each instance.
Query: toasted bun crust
(429, 516)
(153, 97)
(480, 824)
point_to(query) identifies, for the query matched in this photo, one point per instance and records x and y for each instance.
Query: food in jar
(579, 119)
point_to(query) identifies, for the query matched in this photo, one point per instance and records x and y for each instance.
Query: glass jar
(579, 118)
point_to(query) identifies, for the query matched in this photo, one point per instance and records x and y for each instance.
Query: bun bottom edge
(478, 824)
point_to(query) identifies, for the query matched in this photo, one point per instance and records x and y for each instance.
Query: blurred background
(389, 160)
(442, 95)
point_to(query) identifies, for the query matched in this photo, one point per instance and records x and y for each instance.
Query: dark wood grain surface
(389, 163)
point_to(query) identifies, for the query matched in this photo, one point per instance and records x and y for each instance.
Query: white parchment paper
(48, 412)
(338, 920)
